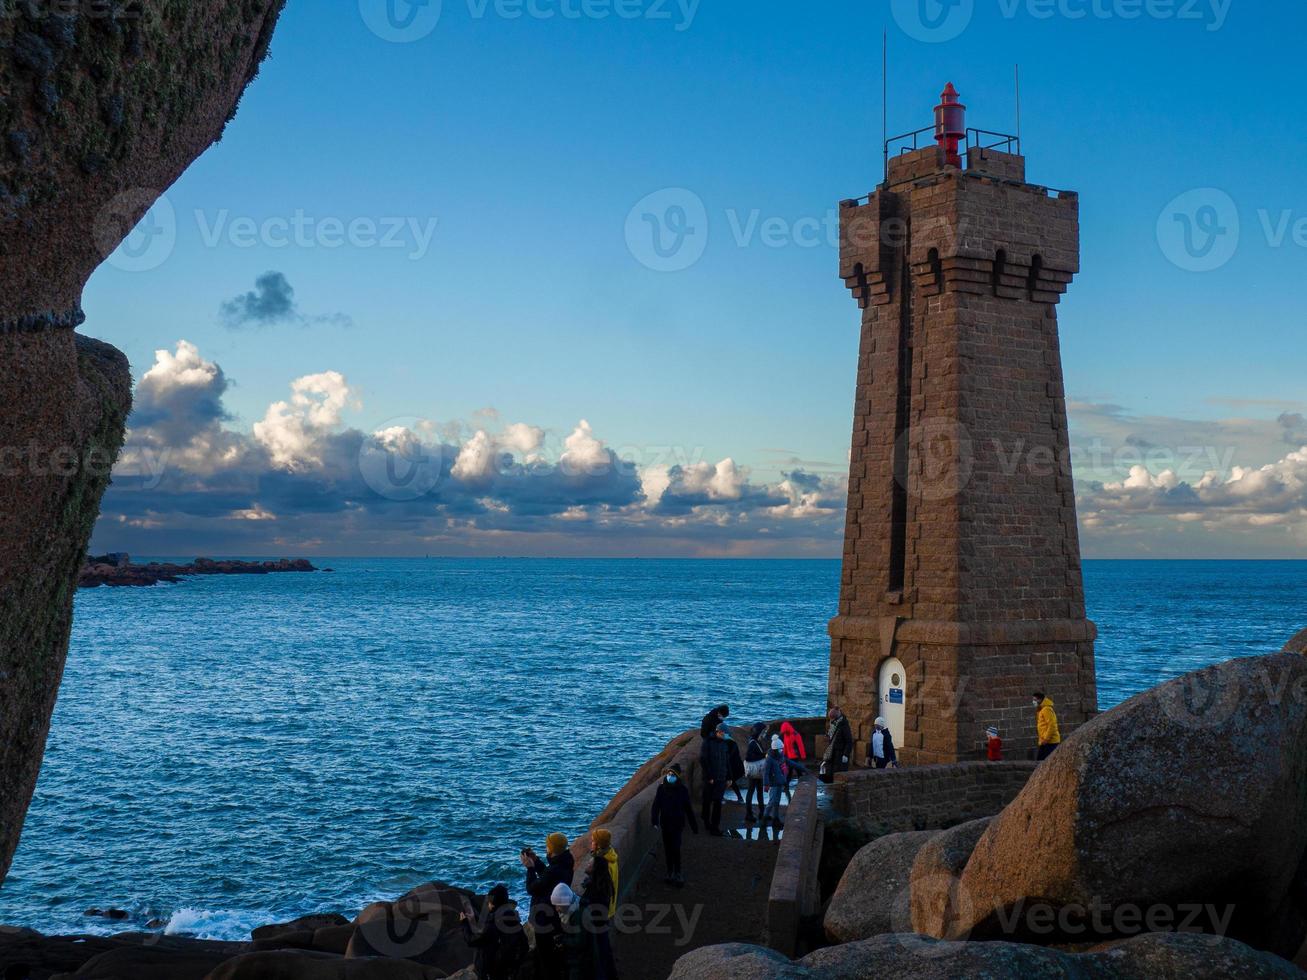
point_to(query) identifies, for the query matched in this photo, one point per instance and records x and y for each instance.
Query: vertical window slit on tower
(1036, 270)
(1000, 265)
(936, 268)
(902, 426)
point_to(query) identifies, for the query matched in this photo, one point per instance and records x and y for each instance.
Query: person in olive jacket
(672, 810)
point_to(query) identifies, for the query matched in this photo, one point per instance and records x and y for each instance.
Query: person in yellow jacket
(600, 892)
(1045, 726)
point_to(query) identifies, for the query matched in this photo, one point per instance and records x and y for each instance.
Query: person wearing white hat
(880, 750)
(575, 943)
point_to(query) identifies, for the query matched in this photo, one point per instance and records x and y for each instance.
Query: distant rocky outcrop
(102, 107)
(107, 571)
(1298, 644)
(1190, 956)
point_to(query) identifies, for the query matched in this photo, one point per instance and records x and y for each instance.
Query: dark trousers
(880, 763)
(672, 848)
(605, 964)
(755, 786)
(1045, 751)
(712, 804)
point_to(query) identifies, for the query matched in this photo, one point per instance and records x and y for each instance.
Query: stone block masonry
(961, 551)
(890, 801)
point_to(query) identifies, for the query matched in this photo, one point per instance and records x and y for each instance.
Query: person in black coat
(715, 771)
(841, 744)
(541, 879)
(672, 810)
(754, 757)
(736, 771)
(499, 942)
(712, 719)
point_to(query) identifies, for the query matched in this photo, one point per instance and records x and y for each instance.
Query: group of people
(769, 763)
(572, 936)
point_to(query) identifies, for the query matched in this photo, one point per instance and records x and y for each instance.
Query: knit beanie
(602, 840)
(555, 844)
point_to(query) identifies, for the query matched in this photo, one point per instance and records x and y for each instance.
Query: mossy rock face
(103, 104)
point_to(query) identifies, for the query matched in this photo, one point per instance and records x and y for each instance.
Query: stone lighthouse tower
(961, 591)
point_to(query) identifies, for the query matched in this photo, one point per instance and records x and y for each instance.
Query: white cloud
(293, 432)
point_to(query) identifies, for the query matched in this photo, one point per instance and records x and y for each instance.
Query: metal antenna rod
(884, 99)
(1018, 75)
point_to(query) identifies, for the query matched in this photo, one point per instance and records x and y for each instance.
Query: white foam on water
(225, 924)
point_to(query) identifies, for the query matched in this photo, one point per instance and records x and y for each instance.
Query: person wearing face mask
(1050, 737)
(672, 810)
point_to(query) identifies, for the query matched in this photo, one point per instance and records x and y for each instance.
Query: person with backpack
(599, 901)
(672, 810)
(778, 745)
(755, 758)
(499, 942)
(714, 770)
(773, 778)
(880, 747)
(542, 877)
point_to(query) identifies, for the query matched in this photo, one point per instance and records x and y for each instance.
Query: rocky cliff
(103, 104)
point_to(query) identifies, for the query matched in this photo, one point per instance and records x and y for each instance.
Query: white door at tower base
(893, 690)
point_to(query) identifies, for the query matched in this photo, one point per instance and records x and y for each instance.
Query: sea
(237, 750)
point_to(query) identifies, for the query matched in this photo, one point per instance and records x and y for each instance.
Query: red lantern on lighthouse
(950, 125)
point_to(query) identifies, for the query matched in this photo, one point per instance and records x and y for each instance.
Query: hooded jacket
(793, 742)
(1046, 724)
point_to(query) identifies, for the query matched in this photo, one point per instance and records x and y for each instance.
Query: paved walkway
(727, 882)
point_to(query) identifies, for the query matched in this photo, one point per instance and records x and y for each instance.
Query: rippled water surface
(235, 750)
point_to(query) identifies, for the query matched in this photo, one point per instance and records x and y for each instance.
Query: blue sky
(519, 137)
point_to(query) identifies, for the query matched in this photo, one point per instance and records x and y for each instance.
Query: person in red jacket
(795, 753)
(993, 745)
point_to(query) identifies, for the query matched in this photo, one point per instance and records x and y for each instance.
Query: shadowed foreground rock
(1187, 802)
(102, 106)
(920, 958)
(935, 874)
(871, 898)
